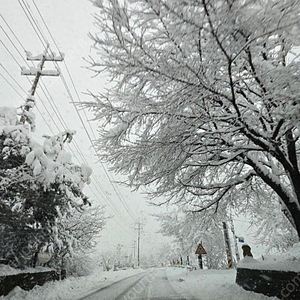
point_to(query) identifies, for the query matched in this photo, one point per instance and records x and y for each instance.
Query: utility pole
(37, 72)
(138, 242)
(235, 243)
(139, 228)
(227, 244)
(134, 245)
(27, 116)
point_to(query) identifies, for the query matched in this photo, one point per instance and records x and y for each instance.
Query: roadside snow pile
(210, 285)
(289, 261)
(70, 288)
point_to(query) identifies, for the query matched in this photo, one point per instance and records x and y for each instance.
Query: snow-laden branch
(201, 95)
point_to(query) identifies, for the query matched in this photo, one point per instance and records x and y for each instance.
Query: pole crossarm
(46, 57)
(35, 71)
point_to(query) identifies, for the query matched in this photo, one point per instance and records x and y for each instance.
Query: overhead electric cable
(76, 92)
(106, 173)
(81, 154)
(10, 53)
(11, 86)
(15, 81)
(34, 20)
(40, 34)
(45, 24)
(28, 17)
(13, 43)
(71, 96)
(12, 31)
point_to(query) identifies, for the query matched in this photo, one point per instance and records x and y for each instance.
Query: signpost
(200, 251)
(241, 239)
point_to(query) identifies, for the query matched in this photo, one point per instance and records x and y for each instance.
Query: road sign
(200, 250)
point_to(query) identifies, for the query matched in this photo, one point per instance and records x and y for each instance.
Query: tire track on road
(110, 285)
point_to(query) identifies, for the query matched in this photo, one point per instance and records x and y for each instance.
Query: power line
(78, 97)
(106, 173)
(43, 117)
(13, 78)
(10, 53)
(45, 24)
(11, 86)
(13, 43)
(64, 125)
(101, 192)
(12, 32)
(113, 185)
(82, 157)
(28, 17)
(110, 204)
(32, 22)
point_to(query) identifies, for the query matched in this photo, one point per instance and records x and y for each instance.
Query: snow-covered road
(152, 284)
(136, 284)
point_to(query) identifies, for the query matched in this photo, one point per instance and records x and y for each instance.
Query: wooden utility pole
(27, 116)
(139, 228)
(236, 248)
(138, 243)
(134, 245)
(227, 244)
(37, 72)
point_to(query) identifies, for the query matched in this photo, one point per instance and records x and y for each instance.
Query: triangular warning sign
(200, 250)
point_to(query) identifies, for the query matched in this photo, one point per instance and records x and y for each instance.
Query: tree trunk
(295, 213)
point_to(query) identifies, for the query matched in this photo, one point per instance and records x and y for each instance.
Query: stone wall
(26, 281)
(282, 284)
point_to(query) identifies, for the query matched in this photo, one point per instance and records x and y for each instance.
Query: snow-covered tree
(40, 187)
(268, 215)
(78, 234)
(204, 98)
(188, 230)
(116, 258)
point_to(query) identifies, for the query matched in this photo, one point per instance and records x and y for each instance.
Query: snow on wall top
(289, 261)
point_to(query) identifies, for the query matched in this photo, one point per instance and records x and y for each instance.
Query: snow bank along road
(152, 284)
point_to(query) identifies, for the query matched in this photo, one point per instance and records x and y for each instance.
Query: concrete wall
(26, 281)
(282, 284)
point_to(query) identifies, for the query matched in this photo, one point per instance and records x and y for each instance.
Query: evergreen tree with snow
(40, 187)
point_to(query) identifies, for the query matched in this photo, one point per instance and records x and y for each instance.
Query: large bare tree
(204, 98)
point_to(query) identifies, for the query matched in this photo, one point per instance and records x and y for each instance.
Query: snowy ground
(210, 285)
(70, 288)
(198, 284)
